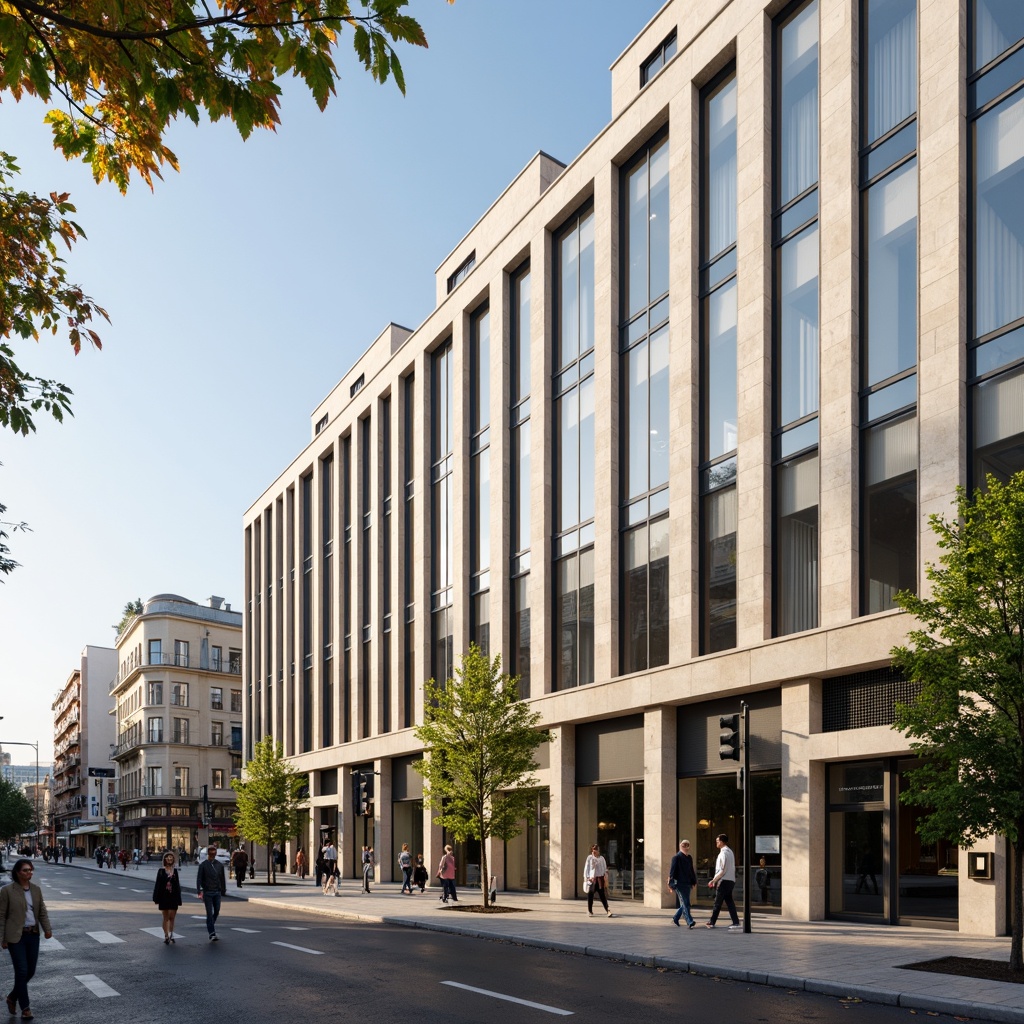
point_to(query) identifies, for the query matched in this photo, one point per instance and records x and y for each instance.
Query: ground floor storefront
(829, 837)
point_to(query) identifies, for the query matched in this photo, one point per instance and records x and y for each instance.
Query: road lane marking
(301, 949)
(104, 883)
(158, 933)
(248, 931)
(105, 937)
(510, 999)
(138, 890)
(292, 928)
(63, 893)
(98, 988)
(51, 944)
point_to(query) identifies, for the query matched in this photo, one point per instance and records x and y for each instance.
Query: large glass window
(996, 363)
(644, 342)
(409, 548)
(519, 419)
(889, 286)
(719, 409)
(889, 512)
(796, 374)
(346, 588)
(326, 598)
(574, 452)
(890, 80)
(443, 508)
(480, 478)
(385, 556)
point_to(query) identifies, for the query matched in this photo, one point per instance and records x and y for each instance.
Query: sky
(240, 291)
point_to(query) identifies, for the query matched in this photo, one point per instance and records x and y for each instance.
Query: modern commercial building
(669, 441)
(83, 737)
(177, 700)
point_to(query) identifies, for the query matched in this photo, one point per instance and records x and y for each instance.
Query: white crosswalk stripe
(107, 938)
(98, 988)
(301, 949)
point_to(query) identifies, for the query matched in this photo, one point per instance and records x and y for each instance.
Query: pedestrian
(332, 876)
(681, 880)
(763, 880)
(330, 859)
(367, 867)
(724, 882)
(595, 879)
(99, 856)
(167, 894)
(137, 858)
(300, 862)
(22, 914)
(405, 863)
(211, 885)
(419, 873)
(239, 863)
(122, 858)
(446, 872)
(318, 867)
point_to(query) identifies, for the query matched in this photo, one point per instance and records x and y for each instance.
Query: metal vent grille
(863, 699)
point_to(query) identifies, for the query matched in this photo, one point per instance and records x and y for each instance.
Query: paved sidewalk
(840, 959)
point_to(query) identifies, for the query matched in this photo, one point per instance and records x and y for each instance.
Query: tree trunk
(485, 878)
(270, 864)
(1017, 929)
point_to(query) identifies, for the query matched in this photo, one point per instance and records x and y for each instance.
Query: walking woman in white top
(595, 879)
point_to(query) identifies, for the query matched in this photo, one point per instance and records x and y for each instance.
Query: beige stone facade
(340, 626)
(177, 702)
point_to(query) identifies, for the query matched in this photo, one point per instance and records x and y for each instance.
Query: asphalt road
(107, 963)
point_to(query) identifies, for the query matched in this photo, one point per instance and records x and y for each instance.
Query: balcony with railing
(230, 666)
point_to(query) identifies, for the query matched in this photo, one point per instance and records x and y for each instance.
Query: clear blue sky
(241, 290)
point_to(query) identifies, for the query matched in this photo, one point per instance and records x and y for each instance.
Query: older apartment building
(668, 442)
(177, 697)
(83, 737)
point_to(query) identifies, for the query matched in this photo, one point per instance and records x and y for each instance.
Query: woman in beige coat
(22, 915)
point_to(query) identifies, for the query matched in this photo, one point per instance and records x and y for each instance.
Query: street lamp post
(35, 746)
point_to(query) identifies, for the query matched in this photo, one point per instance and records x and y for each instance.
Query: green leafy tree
(967, 654)
(268, 798)
(131, 609)
(113, 75)
(480, 740)
(16, 813)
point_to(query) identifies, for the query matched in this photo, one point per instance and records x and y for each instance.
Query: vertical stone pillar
(659, 824)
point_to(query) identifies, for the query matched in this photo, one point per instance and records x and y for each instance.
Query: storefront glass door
(613, 817)
(879, 867)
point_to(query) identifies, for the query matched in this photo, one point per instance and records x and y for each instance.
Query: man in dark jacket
(240, 862)
(211, 885)
(681, 879)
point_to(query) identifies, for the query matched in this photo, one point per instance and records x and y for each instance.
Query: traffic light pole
(747, 822)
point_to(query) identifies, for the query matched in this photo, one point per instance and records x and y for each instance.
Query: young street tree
(480, 739)
(268, 798)
(968, 656)
(113, 74)
(16, 814)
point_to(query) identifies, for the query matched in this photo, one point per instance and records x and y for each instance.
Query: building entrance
(879, 868)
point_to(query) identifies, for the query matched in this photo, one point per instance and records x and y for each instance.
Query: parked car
(223, 855)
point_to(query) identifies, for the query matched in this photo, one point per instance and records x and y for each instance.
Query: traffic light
(361, 792)
(729, 737)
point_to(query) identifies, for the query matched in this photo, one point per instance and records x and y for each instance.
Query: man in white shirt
(724, 882)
